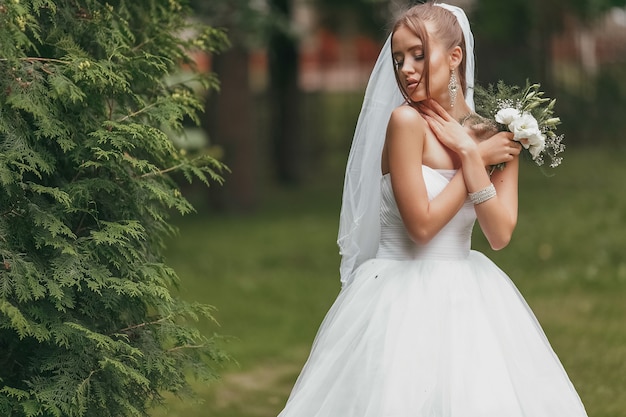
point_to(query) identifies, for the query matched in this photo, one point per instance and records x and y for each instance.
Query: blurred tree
(503, 27)
(230, 116)
(88, 326)
(231, 120)
(284, 95)
(522, 30)
(371, 17)
(589, 9)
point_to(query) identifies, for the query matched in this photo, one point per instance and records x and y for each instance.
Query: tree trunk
(230, 125)
(284, 102)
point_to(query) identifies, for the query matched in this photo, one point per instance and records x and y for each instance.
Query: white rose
(524, 127)
(507, 115)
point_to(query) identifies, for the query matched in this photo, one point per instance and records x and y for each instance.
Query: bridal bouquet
(528, 115)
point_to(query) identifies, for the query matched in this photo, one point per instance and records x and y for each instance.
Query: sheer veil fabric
(359, 228)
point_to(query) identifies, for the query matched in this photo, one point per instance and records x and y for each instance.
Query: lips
(411, 84)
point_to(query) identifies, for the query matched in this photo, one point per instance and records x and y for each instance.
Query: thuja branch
(38, 59)
(86, 380)
(149, 323)
(133, 114)
(161, 172)
(174, 349)
(93, 112)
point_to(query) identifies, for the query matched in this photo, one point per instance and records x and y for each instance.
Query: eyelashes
(399, 63)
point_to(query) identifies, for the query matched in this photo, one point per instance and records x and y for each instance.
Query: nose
(407, 68)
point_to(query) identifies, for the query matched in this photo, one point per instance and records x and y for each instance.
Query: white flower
(507, 115)
(529, 116)
(536, 144)
(524, 126)
(525, 129)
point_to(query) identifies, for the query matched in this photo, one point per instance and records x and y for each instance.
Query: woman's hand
(498, 216)
(447, 130)
(499, 148)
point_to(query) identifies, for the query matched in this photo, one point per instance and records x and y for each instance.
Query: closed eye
(398, 63)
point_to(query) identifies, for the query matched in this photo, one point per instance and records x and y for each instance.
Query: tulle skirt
(432, 338)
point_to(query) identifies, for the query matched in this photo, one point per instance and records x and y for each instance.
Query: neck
(460, 111)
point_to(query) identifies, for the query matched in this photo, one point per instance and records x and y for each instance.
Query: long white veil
(359, 227)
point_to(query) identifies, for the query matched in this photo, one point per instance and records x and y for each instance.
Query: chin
(417, 97)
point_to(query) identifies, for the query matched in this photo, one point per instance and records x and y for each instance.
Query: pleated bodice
(452, 242)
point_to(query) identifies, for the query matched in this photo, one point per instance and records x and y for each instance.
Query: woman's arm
(404, 145)
(497, 216)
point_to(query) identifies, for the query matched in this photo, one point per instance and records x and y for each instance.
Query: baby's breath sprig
(526, 113)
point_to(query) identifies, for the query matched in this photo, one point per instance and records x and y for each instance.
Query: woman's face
(408, 57)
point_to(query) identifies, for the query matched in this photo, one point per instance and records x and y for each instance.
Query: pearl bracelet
(483, 195)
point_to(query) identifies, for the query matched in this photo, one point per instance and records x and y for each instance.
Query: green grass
(273, 275)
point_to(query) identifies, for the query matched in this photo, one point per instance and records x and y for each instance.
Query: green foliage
(590, 9)
(249, 23)
(88, 326)
(594, 109)
(531, 101)
(506, 21)
(358, 16)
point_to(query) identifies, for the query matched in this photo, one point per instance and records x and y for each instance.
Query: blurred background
(262, 247)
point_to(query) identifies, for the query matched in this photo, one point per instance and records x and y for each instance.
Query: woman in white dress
(424, 326)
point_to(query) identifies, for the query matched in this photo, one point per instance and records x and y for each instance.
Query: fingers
(500, 148)
(440, 111)
(505, 134)
(425, 110)
(511, 148)
(506, 139)
(515, 147)
(434, 109)
(434, 124)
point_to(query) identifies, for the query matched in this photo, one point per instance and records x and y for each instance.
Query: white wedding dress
(435, 330)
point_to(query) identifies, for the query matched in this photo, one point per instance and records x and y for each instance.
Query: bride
(424, 326)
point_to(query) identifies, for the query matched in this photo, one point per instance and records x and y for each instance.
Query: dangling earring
(452, 88)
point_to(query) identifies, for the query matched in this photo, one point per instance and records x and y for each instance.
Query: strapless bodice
(452, 242)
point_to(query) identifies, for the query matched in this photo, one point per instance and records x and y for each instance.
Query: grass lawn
(273, 275)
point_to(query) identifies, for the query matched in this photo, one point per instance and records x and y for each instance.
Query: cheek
(439, 74)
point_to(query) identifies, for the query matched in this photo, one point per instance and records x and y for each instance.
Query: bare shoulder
(406, 116)
(403, 151)
(405, 137)
(406, 125)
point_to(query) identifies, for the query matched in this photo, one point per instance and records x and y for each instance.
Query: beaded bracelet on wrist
(483, 195)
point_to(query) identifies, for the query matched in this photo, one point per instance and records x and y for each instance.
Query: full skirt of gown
(431, 336)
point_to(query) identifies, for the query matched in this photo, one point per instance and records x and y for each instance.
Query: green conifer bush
(88, 323)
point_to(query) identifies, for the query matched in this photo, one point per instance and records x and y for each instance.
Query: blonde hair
(446, 29)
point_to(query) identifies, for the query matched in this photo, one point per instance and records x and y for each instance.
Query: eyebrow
(419, 47)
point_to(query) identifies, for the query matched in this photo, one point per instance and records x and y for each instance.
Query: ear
(456, 56)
